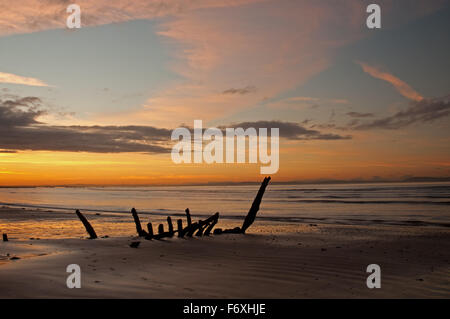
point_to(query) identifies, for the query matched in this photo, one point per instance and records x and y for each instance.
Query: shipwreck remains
(198, 229)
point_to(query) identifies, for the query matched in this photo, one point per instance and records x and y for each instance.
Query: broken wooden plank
(90, 230)
(161, 233)
(190, 230)
(201, 227)
(212, 224)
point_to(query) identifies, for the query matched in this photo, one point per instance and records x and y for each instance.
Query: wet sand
(271, 261)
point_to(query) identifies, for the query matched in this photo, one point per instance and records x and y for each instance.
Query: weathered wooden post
(250, 218)
(188, 217)
(150, 231)
(139, 229)
(90, 230)
(170, 225)
(160, 229)
(180, 228)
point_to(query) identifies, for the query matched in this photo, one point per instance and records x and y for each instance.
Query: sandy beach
(274, 260)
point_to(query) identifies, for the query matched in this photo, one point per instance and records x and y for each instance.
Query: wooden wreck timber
(150, 231)
(90, 230)
(140, 231)
(180, 228)
(250, 218)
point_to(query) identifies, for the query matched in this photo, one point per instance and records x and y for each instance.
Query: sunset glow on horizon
(97, 105)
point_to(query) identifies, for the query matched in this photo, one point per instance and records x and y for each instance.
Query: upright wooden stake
(139, 229)
(90, 230)
(150, 231)
(169, 223)
(188, 217)
(180, 228)
(250, 218)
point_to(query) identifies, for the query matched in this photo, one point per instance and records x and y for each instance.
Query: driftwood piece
(250, 218)
(5, 237)
(140, 231)
(90, 230)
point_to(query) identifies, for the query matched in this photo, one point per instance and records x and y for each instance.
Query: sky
(97, 105)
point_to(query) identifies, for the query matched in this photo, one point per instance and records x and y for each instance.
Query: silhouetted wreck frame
(200, 228)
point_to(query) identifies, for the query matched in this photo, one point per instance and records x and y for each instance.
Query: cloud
(402, 87)
(290, 130)
(17, 79)
(28, 16)
(359, 115)
(12, 113)
(228, 44)
(424, 111)
(21, 130)
(300, 102)
(242, 91)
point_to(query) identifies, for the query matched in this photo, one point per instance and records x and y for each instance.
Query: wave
(367, 189)
(284, 219)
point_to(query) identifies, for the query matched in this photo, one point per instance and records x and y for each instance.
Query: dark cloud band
(20, 130)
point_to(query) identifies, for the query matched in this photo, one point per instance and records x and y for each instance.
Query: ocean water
(382, 203)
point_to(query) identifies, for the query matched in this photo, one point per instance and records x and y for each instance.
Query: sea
(411, 204)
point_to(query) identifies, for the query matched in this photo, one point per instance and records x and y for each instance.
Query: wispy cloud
(299, 102)
(423, 111)
(31, 15)
(402, 87)
(290, 130)
(241, 91)
(359, 115)
(17, 79)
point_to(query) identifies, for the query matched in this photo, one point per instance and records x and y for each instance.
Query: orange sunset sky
(97, 105)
